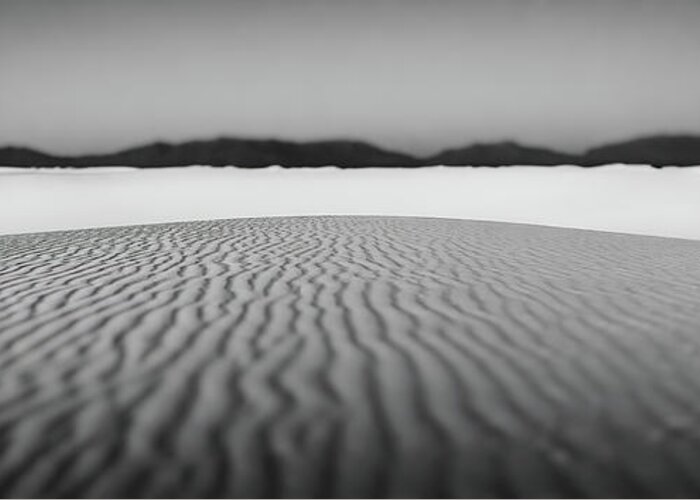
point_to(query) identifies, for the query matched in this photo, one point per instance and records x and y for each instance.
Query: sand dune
(348, 356)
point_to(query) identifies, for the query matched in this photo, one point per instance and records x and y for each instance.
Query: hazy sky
(414, 75)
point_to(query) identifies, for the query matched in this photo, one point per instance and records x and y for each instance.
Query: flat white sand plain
(348, 357)
(628, 199)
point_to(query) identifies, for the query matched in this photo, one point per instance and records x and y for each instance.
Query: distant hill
(658, 151)
(24, 157)
(500, 154)
(222, 152)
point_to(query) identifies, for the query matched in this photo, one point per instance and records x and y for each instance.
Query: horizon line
(350, 139)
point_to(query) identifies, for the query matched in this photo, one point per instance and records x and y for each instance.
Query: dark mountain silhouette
(500, 154)
(254, 153)
(658, 151)
(221, 152)
(25, 157)
(679, 150)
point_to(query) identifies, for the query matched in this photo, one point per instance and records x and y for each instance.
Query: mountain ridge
(658, 151)
(505, 153)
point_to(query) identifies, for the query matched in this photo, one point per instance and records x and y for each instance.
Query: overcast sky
(415, 75)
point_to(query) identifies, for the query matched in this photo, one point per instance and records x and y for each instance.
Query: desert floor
(348, 356)
(624, 198)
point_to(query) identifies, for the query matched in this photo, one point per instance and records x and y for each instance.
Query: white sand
(630, 199)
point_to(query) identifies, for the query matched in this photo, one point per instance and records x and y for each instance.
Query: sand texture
(351, 357)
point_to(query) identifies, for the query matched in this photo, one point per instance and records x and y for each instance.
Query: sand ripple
(348, 356)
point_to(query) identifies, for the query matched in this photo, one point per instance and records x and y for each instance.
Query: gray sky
(415, 75)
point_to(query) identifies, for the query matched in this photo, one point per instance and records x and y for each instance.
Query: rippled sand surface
(348, 356)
